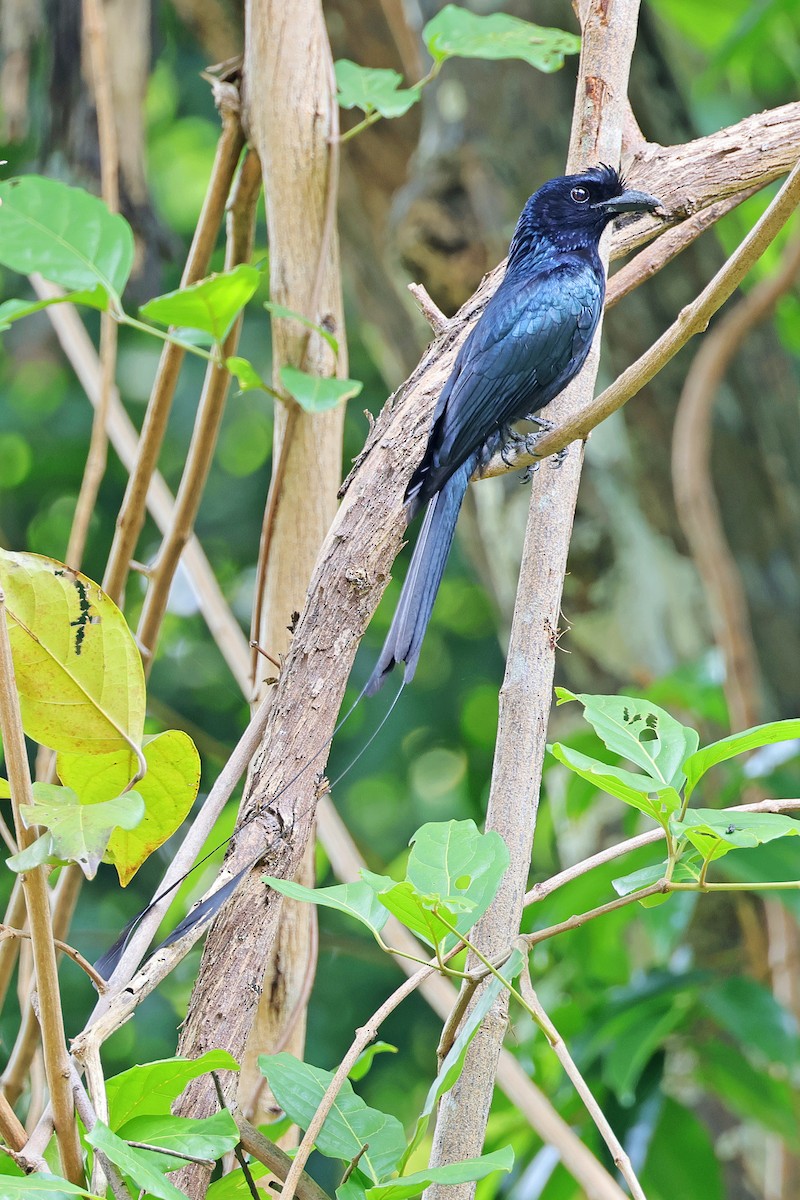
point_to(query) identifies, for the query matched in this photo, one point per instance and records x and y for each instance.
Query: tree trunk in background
(289, 117)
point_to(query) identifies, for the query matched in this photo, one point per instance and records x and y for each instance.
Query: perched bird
(531, 341)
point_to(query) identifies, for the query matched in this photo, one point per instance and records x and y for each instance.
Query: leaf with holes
(78, 670)
(168, 790)
(454, 860)
(66, 234)
(641, 732)
(456, 33)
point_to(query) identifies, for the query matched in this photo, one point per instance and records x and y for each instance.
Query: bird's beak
(630, 201)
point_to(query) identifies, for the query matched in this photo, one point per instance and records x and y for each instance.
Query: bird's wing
(530, 341)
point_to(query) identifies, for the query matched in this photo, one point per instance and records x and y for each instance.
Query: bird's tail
(425, 571)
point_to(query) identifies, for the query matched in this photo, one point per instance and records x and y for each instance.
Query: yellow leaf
(168, 790)
(79, 672)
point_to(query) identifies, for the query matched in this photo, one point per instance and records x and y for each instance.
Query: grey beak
(630, 201)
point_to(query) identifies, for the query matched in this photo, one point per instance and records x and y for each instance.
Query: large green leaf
(151, 1088)
(641, 732)
(77, 832)
(140, 1165)
(64, 233)
(457, 33)
(15, 310)
(462, 1172)
(714, 833)
(168, 790)
(350, 1125)
(749, 1012)
(211, 304)
(29, 1187)
(356, 899)
(315, 393)
(204, 1137)
(79, 673)
(453, 860)
(738, 743)
(625, 785)
(373, 89)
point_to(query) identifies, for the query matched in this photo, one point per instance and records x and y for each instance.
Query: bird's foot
(544, 425)
(557, 460)
(514, 443)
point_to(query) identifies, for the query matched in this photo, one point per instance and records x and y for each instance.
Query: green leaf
(625, 785)
(350, 1125)
(364, 1061)
(5, 790)
(211, 304)
(78, 670)
(695, 1172)
(356, 899)
(78, 832)
(749, 1012)
(235, 1186)
(28, 1187)
(641, 732)
(15, 310)
(686, 871)
(138, 1164)
(416, 910)
(282, 313)
(204, 1137)
(151, 1088)
(738, 743)
(463, 1172)
(168, 790)
(65, 234)
(754, 1095)
(453, 860)
(373, 89)
(456, 33)
(245, 373)
(714, 832)
(453, 1063)
(316, 394)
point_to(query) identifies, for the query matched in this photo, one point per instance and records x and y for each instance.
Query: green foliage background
(656, 1006)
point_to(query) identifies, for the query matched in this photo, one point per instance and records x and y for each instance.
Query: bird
(530, 342)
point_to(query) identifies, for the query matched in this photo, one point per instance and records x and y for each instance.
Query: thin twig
(36, 896)
(7, 932)
(132, 513)
(540, 891)
(82, 356)
(11, 1128)
(241, 229)
(273, 1158)
(366, 1034)
(594, 1110)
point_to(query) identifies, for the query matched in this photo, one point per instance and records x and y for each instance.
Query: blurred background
(677, 1015)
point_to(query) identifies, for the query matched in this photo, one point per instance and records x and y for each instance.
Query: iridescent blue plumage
(530, 342)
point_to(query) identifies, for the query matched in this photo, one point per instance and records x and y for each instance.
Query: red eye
(580, 195)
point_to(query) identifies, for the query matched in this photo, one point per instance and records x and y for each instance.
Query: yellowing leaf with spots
(168, 790)
(79, 672)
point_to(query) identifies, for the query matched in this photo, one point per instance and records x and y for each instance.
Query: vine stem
(34, 883)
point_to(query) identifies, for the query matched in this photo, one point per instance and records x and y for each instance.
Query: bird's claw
(557, 460)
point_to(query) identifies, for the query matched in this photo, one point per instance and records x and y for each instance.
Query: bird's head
(573, 210)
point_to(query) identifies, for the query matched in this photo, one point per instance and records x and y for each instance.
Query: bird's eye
(580, 195)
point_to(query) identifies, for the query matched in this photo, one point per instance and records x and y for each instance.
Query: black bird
(530, 342)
